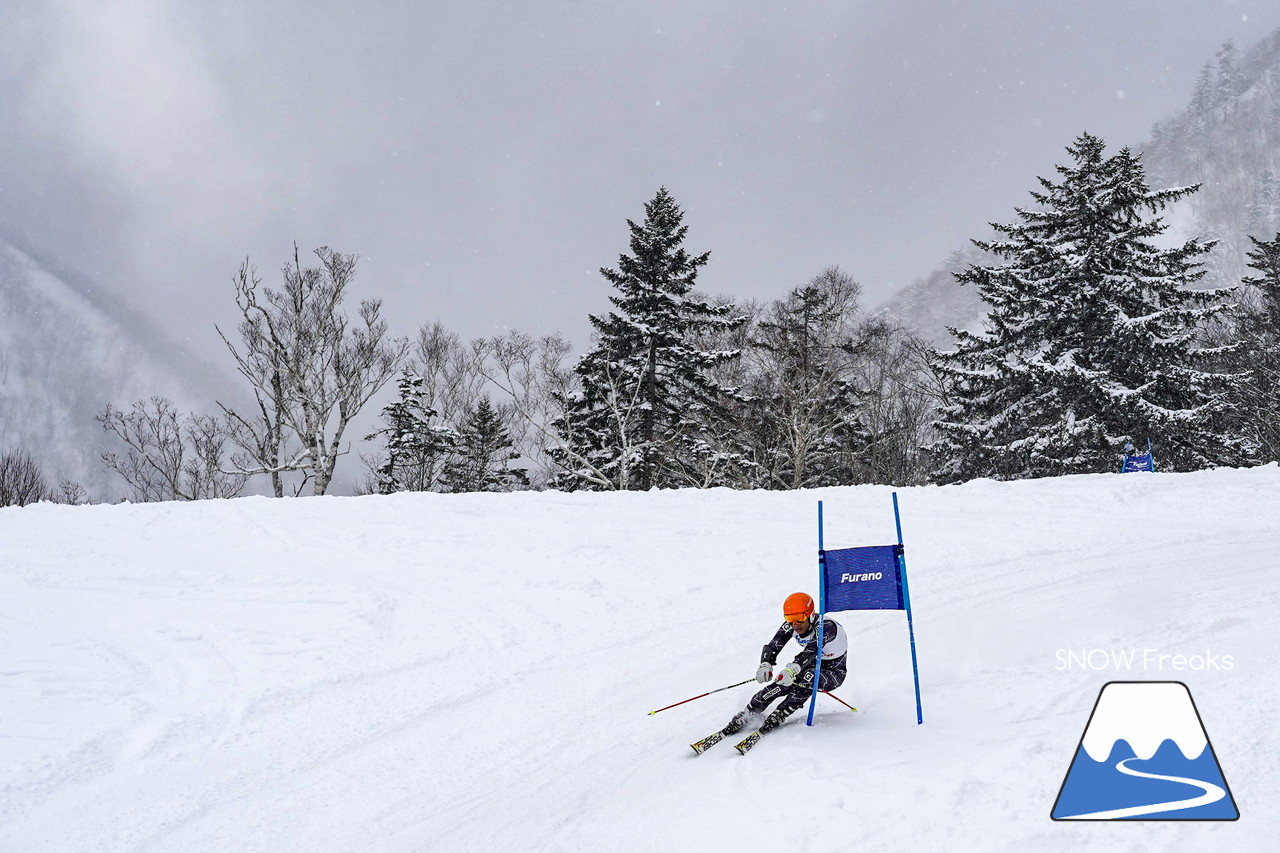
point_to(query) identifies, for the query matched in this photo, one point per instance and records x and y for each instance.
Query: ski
(744, 746)
(752, 739)
(707, 742)
(749, 741)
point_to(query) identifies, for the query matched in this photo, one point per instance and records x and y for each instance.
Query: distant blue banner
(863, 578)
(1145, 462)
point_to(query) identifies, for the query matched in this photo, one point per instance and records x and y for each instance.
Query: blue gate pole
(822, 609)
(906, 600)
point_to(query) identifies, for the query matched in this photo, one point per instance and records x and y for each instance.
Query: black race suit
(835, 647)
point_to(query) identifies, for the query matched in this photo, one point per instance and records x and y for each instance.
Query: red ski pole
(700, 695)
(841, 701)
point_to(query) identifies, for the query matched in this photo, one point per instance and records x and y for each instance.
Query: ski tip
(706, 743)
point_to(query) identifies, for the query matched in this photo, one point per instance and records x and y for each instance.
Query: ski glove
(790, 674)
(764, 673)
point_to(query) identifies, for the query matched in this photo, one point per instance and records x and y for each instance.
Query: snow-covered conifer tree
(1090, 338)
(415, 446)
(482, 455)
(1262, 216)
(1259, 332)
(1230, 80)
(642, 417)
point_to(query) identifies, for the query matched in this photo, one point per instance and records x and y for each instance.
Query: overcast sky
(482, 157)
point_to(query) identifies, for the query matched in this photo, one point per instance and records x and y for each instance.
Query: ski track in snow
(440, 672)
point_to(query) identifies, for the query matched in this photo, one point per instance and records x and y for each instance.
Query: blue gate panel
(863, 578)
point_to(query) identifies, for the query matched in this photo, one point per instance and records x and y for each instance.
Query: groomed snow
(474, 672)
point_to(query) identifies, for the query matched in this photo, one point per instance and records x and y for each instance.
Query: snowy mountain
(66, 349)
(1227, 140)
(446, 672)
(931, 304)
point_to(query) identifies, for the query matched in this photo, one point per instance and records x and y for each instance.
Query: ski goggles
(797, 619)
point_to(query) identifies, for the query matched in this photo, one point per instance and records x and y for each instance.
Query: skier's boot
(779, 716)
(736, 724)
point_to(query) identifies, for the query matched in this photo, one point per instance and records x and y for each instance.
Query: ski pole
(700, 695)
(841, 701)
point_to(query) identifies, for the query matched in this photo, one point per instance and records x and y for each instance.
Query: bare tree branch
(22, 481)
(170, 456)
(312, 368)
(531, 373)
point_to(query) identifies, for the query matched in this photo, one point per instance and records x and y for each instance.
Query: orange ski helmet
(798, 607)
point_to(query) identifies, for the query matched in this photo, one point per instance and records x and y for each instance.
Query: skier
(795, 682)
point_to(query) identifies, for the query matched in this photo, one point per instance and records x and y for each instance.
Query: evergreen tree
(482, 454)
(1259, 331)
(1230, 80)
(415, 446)
(647, 407)
(1263, 212)
(1204, 99)
(1090, 336)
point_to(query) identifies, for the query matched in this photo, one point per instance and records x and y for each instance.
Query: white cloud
(130, 93)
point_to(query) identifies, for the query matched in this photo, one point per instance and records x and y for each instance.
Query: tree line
(1095, 336)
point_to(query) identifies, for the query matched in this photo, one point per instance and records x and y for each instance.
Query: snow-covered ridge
(66, 349)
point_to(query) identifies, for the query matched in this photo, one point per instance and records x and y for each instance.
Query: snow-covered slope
(67, 348)
(457, 672)
(931, 304)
